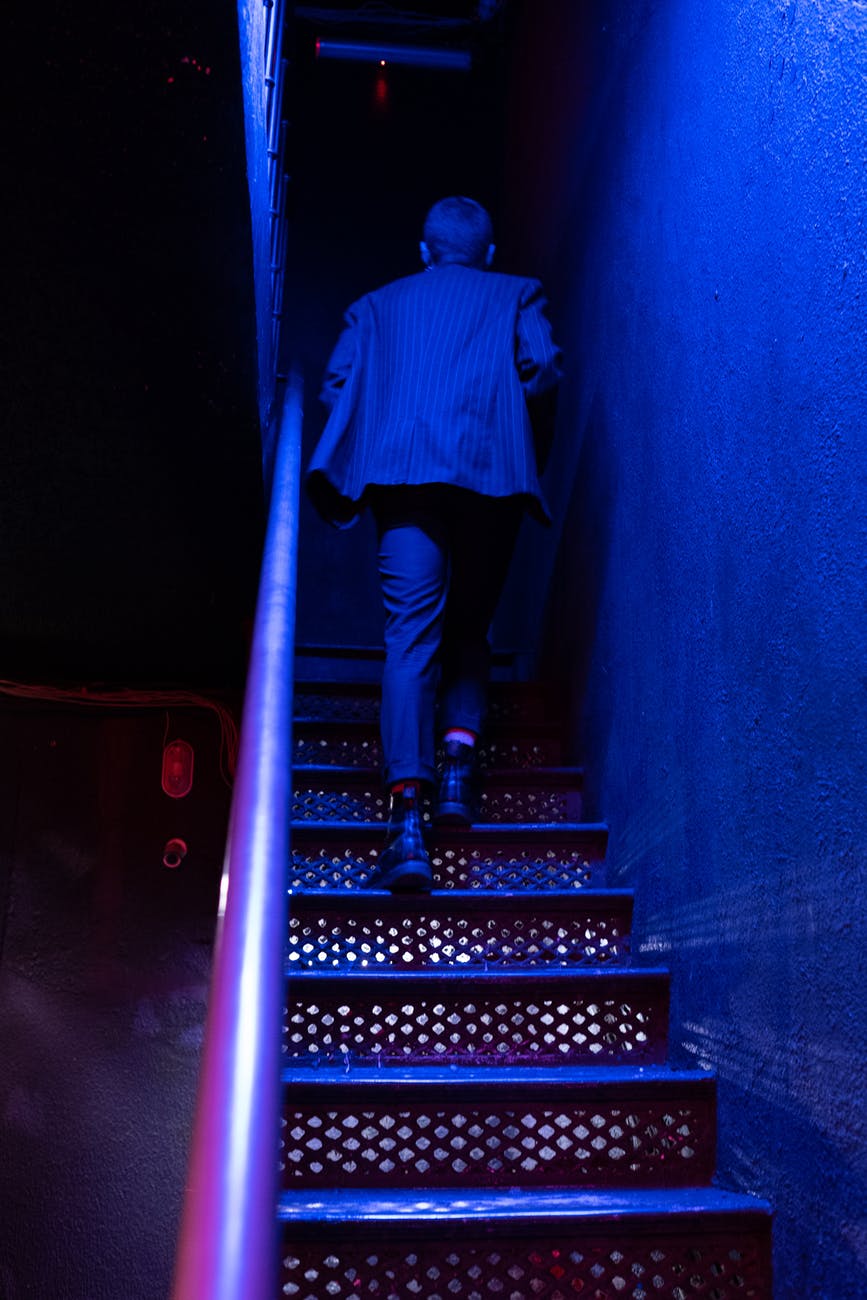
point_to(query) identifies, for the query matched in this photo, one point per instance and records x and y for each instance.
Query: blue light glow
(411, 55)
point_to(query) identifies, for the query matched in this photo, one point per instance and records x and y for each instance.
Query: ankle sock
(460, 734)
(411, 787)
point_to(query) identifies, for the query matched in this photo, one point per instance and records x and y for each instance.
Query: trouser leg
(482, 537)
(413, 570)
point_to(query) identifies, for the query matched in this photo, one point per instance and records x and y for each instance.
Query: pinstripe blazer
(428, 384)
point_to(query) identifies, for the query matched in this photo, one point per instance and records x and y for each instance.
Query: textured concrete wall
(705, 240)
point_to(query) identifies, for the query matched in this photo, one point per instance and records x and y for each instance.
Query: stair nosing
(498, 728)
(451, 834)
(619, 974)
(495, 900)
(352, 769)
(522, 1207)
(611, 1080)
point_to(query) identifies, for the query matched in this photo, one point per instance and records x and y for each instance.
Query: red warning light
(177, 769)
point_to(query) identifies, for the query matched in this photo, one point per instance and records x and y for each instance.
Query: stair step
(549, 794)
(476, 1101)
(356, 743)
(553, 1244)
(508, 702)
(505, 1128)
(587, 1016)
(569, 856)
(467, 929)
(348, 666)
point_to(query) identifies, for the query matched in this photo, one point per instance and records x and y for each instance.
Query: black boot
(460, 789)
(404, 864)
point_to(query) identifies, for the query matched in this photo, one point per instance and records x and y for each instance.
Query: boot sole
(453, 814)
(405, 878)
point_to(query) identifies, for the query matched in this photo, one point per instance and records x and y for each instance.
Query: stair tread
(367, 687)
(341, 685)
(516, 1205)
(352, 772)
(447, 900)
(562, 1078)
(620, 974)
(451, 834)
(535, 726)
(526, 856)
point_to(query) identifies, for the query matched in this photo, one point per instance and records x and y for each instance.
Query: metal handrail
(228, 1248)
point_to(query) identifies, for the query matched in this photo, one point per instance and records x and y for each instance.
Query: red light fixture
(177, 777)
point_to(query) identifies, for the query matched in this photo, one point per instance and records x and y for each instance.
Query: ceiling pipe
(418, 56)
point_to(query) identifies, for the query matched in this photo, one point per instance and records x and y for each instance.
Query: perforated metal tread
(333, 854)
(334, 792)
(498, 1128)
(508, 701)
(466, 928)
(539, 1017)
(530, 1245)
(356, 743)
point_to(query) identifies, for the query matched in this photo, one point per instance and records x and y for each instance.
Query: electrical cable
(97, 696)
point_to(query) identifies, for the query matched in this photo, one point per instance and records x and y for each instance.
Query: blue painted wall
(700, 211)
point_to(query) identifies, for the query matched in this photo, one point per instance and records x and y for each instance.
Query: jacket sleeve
(341, 360)
(537, 358)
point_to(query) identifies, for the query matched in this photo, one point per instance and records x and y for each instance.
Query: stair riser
(326, 858)
(603, 1020)
(634, 1142)
(509, 703)
(332, 940)
(364, 800)
(606, 1262)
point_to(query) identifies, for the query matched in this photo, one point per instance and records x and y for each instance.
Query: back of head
(458, 230)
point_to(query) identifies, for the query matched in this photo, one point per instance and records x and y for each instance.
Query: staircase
(476, 1097)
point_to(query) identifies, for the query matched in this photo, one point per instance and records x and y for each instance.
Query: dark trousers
(443, 557)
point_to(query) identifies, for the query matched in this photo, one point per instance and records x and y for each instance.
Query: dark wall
(706, 214)
(131, 501)
(104, 968)
(130, 524)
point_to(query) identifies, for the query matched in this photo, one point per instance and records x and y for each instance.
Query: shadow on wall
(578, 580)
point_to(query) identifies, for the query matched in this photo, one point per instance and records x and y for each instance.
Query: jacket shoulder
(407, 284)
(490, 285)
